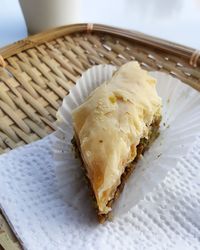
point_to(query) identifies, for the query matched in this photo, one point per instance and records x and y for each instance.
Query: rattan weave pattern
(35, 80)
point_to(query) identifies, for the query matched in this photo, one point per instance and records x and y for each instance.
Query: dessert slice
(113, 127)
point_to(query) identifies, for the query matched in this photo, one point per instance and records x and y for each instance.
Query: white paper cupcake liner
(179, 128)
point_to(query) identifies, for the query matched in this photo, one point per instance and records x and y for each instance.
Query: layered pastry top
(110, 124)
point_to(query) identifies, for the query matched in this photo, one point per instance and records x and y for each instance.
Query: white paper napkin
(169, 218)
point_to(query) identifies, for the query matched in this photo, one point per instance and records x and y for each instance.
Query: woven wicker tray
(37, 72)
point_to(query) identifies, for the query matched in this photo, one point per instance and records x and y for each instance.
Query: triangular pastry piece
(113, 127)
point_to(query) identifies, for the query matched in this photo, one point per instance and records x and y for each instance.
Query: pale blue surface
(175, 20)
(12, 25)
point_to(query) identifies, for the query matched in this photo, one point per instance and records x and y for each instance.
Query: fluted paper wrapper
(178, 131)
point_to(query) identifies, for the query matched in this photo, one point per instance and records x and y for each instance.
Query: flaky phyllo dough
(111, 124)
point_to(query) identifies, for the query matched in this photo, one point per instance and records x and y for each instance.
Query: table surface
(175, 20)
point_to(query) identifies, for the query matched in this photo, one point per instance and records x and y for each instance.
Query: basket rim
(51, 34)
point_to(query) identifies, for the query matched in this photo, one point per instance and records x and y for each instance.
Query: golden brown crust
(110, 123)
